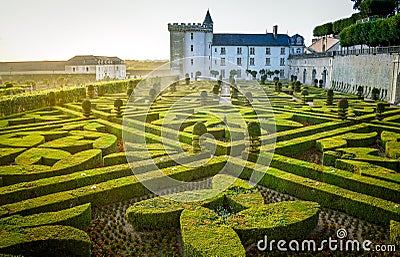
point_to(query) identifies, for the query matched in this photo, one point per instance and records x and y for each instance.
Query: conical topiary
(199, 129)
(380, 109)
(118, 103)
(343, 105)
(254, 130)
(329, 97)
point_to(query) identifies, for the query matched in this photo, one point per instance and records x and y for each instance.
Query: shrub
(254, 130)
(375, 94)
(61, 98)
(343, 105)
(90, 91)
(304, 93)
(248, 97)
(129, 92)
(329, 97)
(52, 98)
(86, 107)
(203, 98)
(297, 86)
(315, 82)
(321, 83)
(395, 232)
(360, 91)
(263, 79)
(187, 79)
(380, 109)
(198, 130)
(117, 105)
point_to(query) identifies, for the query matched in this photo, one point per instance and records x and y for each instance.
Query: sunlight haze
(137, 29)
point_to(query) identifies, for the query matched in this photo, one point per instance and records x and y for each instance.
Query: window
(268, 51)
(239, 61)
(223, 51)
(252, 62)
(282, 73)
(268, 62)
(223, 73)
(223, 62)
(191, 62)
(252, 51)
(87, 69)
(282, 63)
(191, 36)
(239, 50)
(298, 50)
(283, 51)
(191, 48)
(215, 50)
(73, 69)
(191, 74)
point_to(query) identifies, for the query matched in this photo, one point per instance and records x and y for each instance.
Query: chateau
(196, 48)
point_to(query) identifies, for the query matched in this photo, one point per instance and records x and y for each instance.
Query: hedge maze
(74, 173)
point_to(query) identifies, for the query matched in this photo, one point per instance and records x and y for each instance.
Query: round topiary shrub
(187, 79)
(315, 82)
(216, 89)
(86, 107)
(90, 91)
(297, 86)
(375, 94)
(51, 97)
(321, 83)
(343, 105)
(360, 91)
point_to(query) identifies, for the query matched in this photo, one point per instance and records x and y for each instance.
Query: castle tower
(190, 42)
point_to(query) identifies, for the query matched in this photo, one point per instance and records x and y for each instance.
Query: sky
(137, 29)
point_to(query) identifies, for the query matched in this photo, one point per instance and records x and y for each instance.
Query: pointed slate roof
(208, 20)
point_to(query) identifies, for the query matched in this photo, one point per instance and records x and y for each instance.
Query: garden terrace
(76, 174)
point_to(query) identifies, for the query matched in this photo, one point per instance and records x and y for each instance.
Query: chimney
(275, 31)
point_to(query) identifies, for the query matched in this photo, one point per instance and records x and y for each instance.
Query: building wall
(308, 69)
(198, 52)
(260, 55)
(346, 73)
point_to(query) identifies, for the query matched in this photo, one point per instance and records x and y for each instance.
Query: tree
(262, 72)
(214, 73)
(270, 73)
(382, 8)
(254, 73)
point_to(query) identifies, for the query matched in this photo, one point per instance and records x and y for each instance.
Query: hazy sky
(137, 29)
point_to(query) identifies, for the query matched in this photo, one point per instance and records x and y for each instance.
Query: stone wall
(346, 73)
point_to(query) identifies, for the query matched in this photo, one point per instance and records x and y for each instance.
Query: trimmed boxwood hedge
(395, 232)
(77, 217)
(284, 220)
(367, 207)
(205, 234)
(344, 179)
(44, 241)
